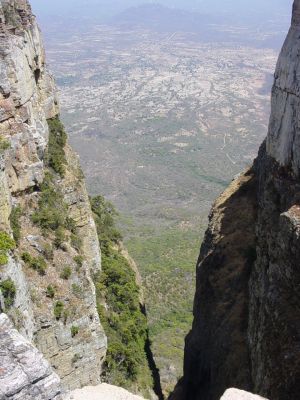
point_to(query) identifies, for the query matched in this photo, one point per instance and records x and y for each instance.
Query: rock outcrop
(235, 394)
(24, 373)
(54, 303)
(103, 392)
(246, 329)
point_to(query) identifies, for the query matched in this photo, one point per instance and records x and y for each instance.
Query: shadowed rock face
(296, 14)
(283, 141)
(246, 329)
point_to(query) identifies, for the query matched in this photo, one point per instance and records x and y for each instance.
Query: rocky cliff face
(246, 330)
(24, 373)
(47, 287)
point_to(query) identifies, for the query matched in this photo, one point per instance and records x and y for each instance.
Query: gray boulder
(24, 372)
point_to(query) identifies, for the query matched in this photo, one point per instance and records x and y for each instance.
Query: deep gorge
(73, 313)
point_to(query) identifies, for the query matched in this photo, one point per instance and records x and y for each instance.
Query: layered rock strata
(74, 342)
(24, 373)
(246, 330)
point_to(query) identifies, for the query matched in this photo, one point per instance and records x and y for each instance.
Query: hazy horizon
(102, 9)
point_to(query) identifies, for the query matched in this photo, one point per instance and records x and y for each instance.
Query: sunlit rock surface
(24, 372)
(103, 392)
(235, 394)
(27, 101)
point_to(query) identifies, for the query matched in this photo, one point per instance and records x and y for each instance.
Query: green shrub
(15, 216)
(36, 263)
(77, 290)
(4, 145)
(6, 244)
(74, 330)
(65, 316)
(39, 265)
(58, 309)
(48, 251)
(66, 273)
(123, 320)
(60, 237)
(79, 261)
(76, 242)
(52, 210)
(8, 290)
(56, 158)
(50, 292)
(104, 215)
(26, 257)
(70, 225)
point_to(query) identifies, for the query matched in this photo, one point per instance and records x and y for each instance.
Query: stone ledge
(236, 394)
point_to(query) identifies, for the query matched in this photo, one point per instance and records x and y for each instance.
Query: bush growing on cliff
(123, 320)
(76, 242)
(4, 145)
(66, 273)
(58, 309)
(74, 331)
(6, 244)
(79, 261)
(77, 291)
(124, 323)
(104, 215)
(50, 292)
(56, 158)
(52, 210)
(36, 263)
(14, 218)
(48, 251)
(8, 290)
(52, 215)
(60, 237)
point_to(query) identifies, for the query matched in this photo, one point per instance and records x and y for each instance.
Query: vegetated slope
(120, 308)
(246, 311)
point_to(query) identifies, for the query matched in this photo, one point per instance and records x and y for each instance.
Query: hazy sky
(104, 8)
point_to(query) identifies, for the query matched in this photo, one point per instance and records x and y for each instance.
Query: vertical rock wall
(246, 330)
(27, 100)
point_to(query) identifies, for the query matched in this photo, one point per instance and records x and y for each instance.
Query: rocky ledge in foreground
(109, 392)
(102, 392)
(24, 372)
(235, 394)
